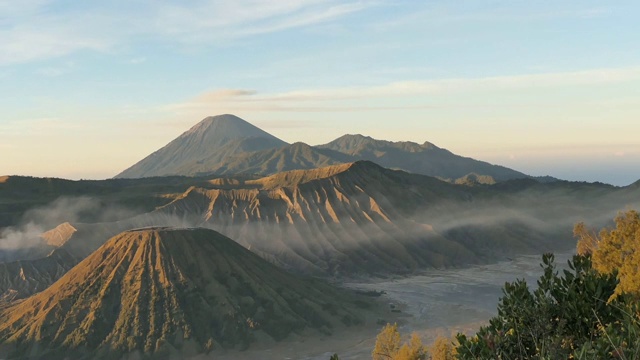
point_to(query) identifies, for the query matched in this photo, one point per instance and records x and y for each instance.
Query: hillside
(202, 146)
(425, 159)
(168, 293)
(20, 279)
(291, 157)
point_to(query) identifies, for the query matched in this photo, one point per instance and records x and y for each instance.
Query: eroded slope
(167, 292)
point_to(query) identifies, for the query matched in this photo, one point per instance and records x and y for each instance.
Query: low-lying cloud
(27, 233)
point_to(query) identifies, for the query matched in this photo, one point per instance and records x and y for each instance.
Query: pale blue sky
(545, 87)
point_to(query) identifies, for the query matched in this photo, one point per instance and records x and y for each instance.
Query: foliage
(389, 346)
(442, 349)
(617, 340)
(387, 343)
(412, 350)
(557, 320)
(615, 251)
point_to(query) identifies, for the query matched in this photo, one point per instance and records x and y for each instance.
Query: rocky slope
(340, 219)
(165, 293)
(21, 279)
(59, 235)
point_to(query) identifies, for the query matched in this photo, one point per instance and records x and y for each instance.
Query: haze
(546, 88)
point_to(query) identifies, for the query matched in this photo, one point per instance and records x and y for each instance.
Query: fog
(326, 233)
(543, 210)
(27, 233)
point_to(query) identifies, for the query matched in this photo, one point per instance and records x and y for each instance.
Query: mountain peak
(224, 120)
(59, 235)
(355, 136)
(193, 151)
(164, 291)
(223, 128)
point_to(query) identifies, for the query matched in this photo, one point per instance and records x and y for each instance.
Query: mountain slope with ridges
(20, 279)
(165, 293)
(340, 219)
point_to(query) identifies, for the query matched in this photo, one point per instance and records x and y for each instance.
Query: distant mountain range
(228, 145)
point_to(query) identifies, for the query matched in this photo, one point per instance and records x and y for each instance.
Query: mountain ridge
(245, 149)
(426, 159)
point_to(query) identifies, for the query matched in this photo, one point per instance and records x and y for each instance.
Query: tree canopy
(389, 346)
(615, 251)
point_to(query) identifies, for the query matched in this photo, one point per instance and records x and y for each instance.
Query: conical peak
(152, 290)
(201, 148)
(167, 234)
(228, 125)
(221, 119)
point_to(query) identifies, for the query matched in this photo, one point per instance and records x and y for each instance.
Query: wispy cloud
(235, 19)
(37, 35)
(35, 31)
(242, 99)
(223, 95)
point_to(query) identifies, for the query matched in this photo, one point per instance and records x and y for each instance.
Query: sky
(545, 87)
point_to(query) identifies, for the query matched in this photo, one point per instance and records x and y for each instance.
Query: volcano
(165, 292)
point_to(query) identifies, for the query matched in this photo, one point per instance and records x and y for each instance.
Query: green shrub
(568, 315)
